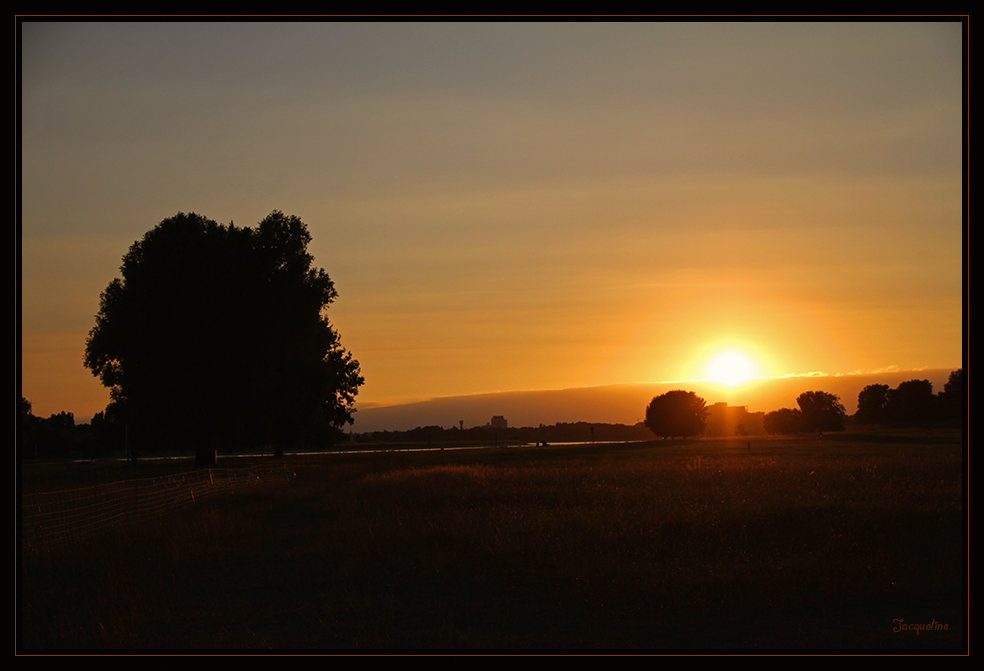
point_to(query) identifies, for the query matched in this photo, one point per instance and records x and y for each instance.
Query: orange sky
(518, 206)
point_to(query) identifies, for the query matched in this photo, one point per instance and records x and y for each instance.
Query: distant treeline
(59, 437)
(561, 432)
(911, 403)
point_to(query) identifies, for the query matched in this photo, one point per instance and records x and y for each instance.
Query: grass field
(819, 544)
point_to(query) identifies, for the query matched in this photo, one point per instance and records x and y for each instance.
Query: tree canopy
(783, 420)
(913, 402)
(821, 411)
(953, 398)
(872, 404)
(676, 413)
(217, 335)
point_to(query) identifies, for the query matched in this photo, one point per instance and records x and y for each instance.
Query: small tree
(676, 413)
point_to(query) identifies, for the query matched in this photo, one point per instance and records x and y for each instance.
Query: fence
(56, 517)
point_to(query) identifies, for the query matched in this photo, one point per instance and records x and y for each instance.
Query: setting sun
(730, 368)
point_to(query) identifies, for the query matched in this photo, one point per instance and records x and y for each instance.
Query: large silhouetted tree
(676, 413)
(217, 336)
(821, 411)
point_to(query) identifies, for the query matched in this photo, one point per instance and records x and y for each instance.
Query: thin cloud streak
(886, 369)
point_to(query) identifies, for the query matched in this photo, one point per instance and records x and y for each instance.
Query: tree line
(59, 437)
(674, 414)
(818, 411)
(217, 337)
(911, 403)
(562, 432)
(683, 414)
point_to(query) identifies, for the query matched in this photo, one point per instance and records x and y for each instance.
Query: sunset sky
(517, 206)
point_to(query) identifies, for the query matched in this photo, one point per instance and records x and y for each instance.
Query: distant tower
(461, 424)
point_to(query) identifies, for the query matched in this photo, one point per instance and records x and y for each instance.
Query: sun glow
(730, 368)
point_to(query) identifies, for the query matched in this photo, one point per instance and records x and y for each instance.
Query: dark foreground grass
(791, 545)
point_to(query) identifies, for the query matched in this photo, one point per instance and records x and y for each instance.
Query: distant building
(725, 420)
(499, 422)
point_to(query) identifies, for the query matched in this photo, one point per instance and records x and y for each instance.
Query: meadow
(839, 543)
